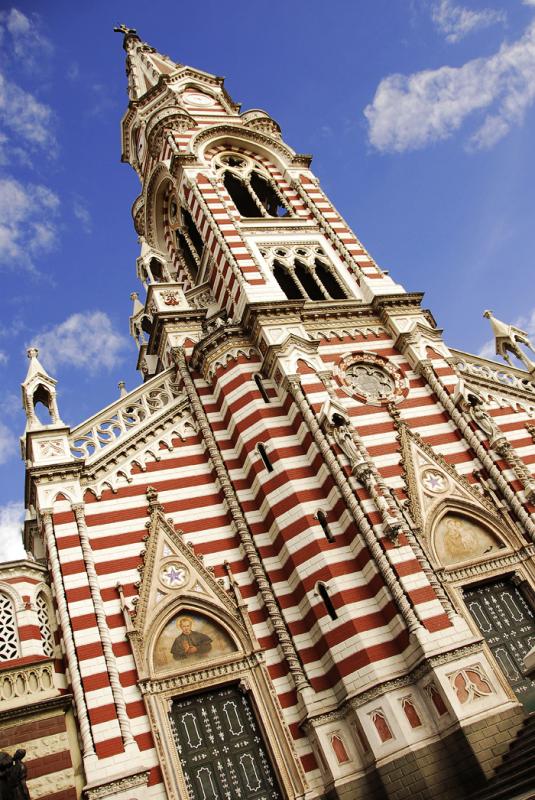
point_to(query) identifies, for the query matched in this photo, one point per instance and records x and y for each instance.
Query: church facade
(297, 561)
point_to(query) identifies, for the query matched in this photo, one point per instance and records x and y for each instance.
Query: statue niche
(188, 639)
(458, 538)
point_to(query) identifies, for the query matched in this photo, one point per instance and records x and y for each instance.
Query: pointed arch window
(321, 516)
(261, 388)
(304, 272)
(264, 456)
(9, 642)
(251, 188)
(43, 616)
(327, 602)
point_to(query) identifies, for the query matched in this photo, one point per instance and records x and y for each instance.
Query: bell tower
(230, 218)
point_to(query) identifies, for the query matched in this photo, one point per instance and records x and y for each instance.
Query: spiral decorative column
(103, 629)
(266, 592)
(88, 747)
(425, 368)
(385, 568)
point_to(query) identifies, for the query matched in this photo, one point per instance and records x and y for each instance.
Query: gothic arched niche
(188, 638)
(458, 538)
(158, 191)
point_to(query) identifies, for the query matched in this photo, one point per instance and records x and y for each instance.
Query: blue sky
(419, 114)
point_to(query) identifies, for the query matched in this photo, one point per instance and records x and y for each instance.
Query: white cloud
(524, 323)
(3, 358)
(410, 112)
(28, 43)
(81, 212)
(11, 405)
(27, 221)
(11, 519)
(456, 22)
(8, 443)
(25, 117)
(86, 340)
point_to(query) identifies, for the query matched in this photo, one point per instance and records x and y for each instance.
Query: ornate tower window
(9, 645)
(251, 187)
(304, 272)
(44, 625)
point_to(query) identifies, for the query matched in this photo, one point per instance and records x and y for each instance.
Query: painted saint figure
(189, 642)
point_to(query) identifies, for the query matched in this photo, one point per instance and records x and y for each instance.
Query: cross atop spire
(127, 32)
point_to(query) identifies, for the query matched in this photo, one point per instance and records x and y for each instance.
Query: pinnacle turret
(39, 387)
(144, 65)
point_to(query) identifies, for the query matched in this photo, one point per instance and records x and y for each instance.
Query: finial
(32, 352)
(122, 388)
(152, 499)
(508, 339)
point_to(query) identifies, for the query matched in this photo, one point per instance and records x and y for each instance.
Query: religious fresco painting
(460, 539)
(189, 638)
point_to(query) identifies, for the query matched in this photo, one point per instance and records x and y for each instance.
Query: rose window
(434, 482)
(371, 380)
(173, 575)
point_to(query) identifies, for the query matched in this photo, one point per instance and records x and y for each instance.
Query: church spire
(144, 65)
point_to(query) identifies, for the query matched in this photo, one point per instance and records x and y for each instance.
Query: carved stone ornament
(171, 297)
(470, 683)
(52, 448)
(371, 379)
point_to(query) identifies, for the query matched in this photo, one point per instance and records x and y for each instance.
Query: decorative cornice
(403, 301)
(201, 674)
(60, 702)
(487, 567)
(241, 132)
(113, 787)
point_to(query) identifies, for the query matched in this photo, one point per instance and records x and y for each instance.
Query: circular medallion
(371, 378)
(173, 575)
(197, 99)
(434, 481)
(371, 381)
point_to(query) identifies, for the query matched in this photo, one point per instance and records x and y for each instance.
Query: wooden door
(508, 625)
(221, 750)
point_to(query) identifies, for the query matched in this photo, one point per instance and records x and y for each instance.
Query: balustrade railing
(26, 684)
(508, 377)
(124, 416)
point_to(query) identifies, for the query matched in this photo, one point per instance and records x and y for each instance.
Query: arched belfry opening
(42, 404)
(252, 189)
